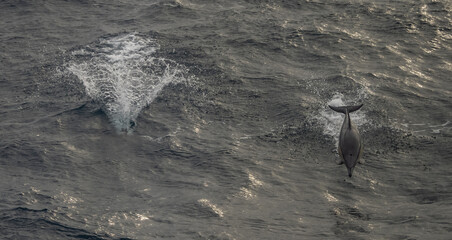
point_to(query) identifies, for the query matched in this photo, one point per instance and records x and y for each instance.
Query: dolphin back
(346, 109)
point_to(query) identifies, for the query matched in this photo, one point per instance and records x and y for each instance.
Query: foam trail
(331, 121)
(121, 73)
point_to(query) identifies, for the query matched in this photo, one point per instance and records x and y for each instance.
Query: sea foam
(123, 75)
(331, 121)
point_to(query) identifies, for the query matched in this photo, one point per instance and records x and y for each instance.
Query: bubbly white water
(122, 74)
(331, 121)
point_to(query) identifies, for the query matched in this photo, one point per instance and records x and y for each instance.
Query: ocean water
(194, 119)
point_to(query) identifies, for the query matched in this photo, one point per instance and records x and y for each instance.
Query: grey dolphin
(350, 146)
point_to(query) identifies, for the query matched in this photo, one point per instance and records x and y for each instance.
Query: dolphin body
(350, 146)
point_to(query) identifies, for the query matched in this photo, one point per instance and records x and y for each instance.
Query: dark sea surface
(196, 119)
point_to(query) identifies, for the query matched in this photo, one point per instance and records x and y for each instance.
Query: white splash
(331, 121)
(122, 74)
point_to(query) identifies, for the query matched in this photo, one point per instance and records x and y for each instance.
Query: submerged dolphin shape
(350, 146)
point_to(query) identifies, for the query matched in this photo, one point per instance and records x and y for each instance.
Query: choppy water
(209, 119)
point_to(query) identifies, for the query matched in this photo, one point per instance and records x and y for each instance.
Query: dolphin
(350, 146)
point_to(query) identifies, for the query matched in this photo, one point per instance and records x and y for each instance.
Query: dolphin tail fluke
(345, 109)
